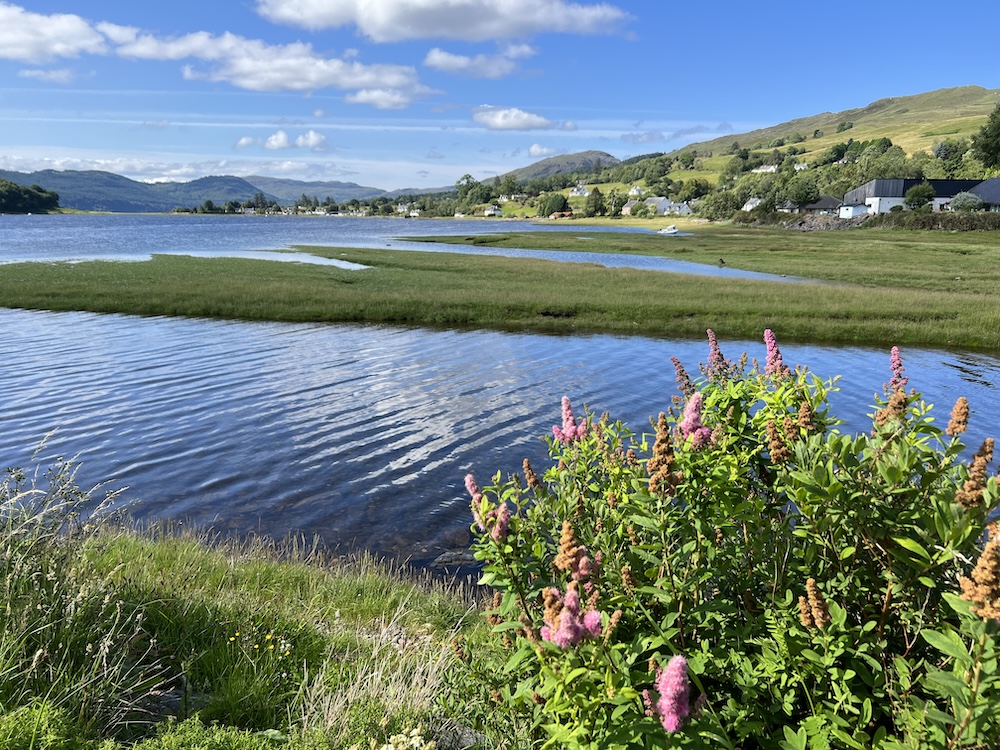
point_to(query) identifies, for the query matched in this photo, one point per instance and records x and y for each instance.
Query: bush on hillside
(750, 576)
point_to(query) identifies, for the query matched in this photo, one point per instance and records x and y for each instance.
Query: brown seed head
(776, 445)
(817, 605)
(530, 476)
(805, 614)
(806, 416)
(971, 494)
(983, 588)
(959, 421)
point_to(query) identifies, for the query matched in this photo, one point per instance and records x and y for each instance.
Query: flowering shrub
(750, 576)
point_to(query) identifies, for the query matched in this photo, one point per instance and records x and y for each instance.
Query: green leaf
(949, 686)
(948, 644)
(847, 552)
(912, 546)
(794, 740)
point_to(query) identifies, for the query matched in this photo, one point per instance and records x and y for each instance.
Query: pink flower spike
(570, 430)
(501, 523)
(672, 685)
(690, 425)
(774, 366)
(899, 380)
(592, 623)
(477, 497)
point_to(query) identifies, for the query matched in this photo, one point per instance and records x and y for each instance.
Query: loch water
(360, 435)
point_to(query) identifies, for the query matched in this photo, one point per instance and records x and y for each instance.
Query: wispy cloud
(649, 136)
(58, 76)
(469, 20)
(480, 66)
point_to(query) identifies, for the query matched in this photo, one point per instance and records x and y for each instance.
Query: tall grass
(110, 634)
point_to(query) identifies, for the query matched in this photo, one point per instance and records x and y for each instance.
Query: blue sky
(417, 93)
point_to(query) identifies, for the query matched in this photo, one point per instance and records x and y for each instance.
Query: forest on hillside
(17, 199)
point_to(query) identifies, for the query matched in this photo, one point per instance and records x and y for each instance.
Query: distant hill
(915, 123)
(582, 161)
(105, 191)
(289, 191)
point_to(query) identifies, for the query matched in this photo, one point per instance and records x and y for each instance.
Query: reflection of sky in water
(362, 434)
(125, 237)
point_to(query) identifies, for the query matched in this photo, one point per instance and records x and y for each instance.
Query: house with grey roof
(989, 192)
(882, 195)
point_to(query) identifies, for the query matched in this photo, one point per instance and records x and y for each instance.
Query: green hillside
(915, 123)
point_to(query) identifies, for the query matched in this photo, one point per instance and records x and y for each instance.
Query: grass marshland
(915, 288)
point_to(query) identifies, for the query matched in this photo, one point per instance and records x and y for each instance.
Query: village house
(880, 196)
(989, 192)
(580, 191)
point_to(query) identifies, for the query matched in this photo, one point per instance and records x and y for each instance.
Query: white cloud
(380, 98)
(254, 65)
(470, 20)
(539, 150)
(277, 141)
(62, 75)
(37, 38)
(312, 140)
(245, 142)
(509, 118)
(480, 66)
(650, 136)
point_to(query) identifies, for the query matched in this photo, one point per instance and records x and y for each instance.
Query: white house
(493, 211)
(636, 190)
(580, 191)
(751, 204)
(880, 196)
(665, 206)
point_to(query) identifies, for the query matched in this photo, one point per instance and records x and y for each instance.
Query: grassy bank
(112, 637)
(915, 288)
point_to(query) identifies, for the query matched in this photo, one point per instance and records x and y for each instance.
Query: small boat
(671, 229)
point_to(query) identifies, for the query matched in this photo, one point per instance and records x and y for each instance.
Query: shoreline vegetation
(919, 288)
(691, 552)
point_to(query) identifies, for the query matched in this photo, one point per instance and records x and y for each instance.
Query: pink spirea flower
(477, 496)
(592, 623)
(570, 429)
(898, 380)
(717, 364)
(501, 522)
(774, 365)
(583, 568)
(572, 628)
(690, 426)
(672, 685)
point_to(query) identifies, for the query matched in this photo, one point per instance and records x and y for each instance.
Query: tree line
(17, 199)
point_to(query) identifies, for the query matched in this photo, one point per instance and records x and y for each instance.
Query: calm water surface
(359, 434)
(127, 237)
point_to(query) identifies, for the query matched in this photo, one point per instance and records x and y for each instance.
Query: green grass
(111, 636)
(890, 287)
